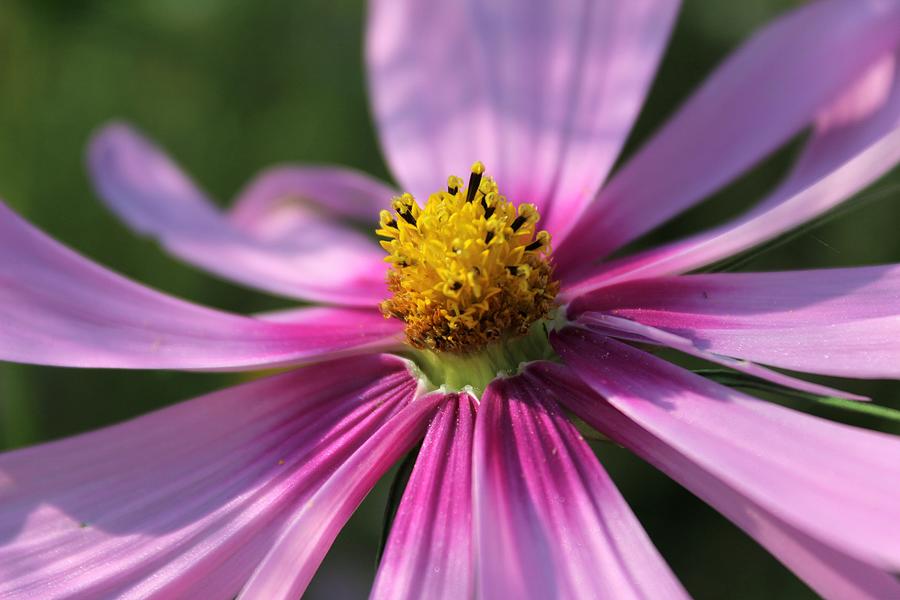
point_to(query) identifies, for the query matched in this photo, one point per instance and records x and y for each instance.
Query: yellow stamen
(467, 269)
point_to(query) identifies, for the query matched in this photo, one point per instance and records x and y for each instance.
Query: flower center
(467, 269)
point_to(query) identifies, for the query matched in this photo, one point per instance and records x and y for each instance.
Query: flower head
(468, 269)
(491, 344)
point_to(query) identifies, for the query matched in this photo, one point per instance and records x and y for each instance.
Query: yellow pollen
(468, 269)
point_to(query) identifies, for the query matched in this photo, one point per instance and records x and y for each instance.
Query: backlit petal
(58, 308)
(627, 329)
(854, 142)
(549, 523)
(830, 572)
(543, 93)
(429, 551)
(294, 557)
(766, 92)
(306, 192)
(833, 483)
(186, 501)
(842, 322)
(289, 249)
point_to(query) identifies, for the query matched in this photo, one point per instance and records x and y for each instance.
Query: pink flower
(241, 492)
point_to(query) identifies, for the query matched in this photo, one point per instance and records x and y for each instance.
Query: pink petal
(854, 143)
(58, 308)
(305, 193)
(543, 93)
(293, 559)
(290, 249)
(832, 321)
(833, 483)
(627, 329)
(762, 95)
(549, 522)
(185, 502)
(828, 571)
(429, 551)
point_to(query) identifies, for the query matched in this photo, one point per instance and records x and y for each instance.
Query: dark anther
(452, 190)
(533, 246)
(488, 237)
(474, 182)
(488, 210)
(391, 223)
(518, 222)
(513, 269)
(407, 216)
(456, 286)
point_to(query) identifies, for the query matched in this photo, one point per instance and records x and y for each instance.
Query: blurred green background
(231, 86)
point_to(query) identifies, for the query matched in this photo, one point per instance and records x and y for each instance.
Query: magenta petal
(58, 308)
(186, 501)
(833, 483)
(854, 142)
(767, 91)
(828, 571)
(549, 523)
(618, 327)
(842, 322)
(543, 93)
(259, 246)
(429, 551)
(293, 559)
(298, 195)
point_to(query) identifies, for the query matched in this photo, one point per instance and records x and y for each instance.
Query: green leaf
(735, 379)
(882, 412)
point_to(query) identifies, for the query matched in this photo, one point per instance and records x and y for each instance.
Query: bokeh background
(231, 86)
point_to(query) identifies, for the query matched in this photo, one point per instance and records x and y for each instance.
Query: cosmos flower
(506, 316)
